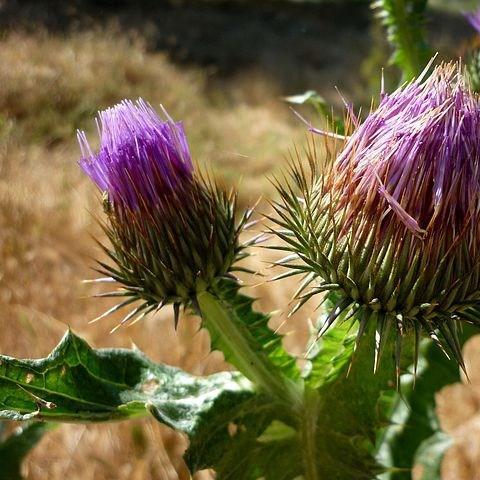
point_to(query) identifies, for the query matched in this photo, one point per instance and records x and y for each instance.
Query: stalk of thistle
(392, 225)
(172, 232)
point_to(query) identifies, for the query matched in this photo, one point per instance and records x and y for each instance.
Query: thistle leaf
(251, 325)
(342, 372)
(335, 349)
(227, 423)
(78, 384)
(245, 438)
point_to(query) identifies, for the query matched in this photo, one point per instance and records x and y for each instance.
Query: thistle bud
(172, 232)
(392, 226)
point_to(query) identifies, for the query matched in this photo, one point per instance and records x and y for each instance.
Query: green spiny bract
(473, 69)
(172, 232)
(392, 224)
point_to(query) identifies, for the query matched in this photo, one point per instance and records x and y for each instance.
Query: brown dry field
(243, 132)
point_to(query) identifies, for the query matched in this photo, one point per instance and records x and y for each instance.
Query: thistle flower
(392, 225)
(474, 19)
(172, 232)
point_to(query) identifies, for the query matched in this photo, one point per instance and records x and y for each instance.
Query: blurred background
(225, 68)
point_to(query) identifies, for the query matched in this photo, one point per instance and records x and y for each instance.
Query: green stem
(404, 21)
(411, 66)
(348, 415)
(243, 352)
(308, 434)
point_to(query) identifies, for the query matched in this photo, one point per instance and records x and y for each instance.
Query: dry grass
(49, 87)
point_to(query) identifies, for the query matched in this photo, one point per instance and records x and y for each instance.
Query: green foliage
(404, 20)
(332, 354)
(78, 384)
(334, 408)
(331, 434)
(322, 424)
(415, 434)
(245, 339)
(246, 441)
(239, 432)
(349, 408)
(221, 414)
(14, 448)
(430, 455)
(322, 109)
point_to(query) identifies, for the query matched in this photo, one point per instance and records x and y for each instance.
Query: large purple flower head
(172, 233)
(392, 226)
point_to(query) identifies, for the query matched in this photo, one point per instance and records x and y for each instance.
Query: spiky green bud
(172, 232)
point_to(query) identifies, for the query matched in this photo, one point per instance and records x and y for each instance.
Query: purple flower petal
(140, 158)
(419, 154)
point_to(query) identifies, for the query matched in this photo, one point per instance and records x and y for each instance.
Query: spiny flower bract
(172, 231)
(392, 225)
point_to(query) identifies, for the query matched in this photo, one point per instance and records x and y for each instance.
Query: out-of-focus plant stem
(404, 20)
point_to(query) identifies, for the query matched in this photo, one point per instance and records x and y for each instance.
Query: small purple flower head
(172, 233)
(393, 226)
(474, 19)
(141, 157)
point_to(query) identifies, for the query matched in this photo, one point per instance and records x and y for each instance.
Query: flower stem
(243, 351)
(308, 433)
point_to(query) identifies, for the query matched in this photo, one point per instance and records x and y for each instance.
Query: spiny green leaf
(349, 392)
(348, 413)
(14, 448)
(235, 439)
(333, 355)
(226, 421)
(78, 384)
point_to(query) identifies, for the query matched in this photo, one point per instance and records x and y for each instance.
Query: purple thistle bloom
(392, 225)
(474, 19)
(419, 152)
(172, 231)
(141, 157)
